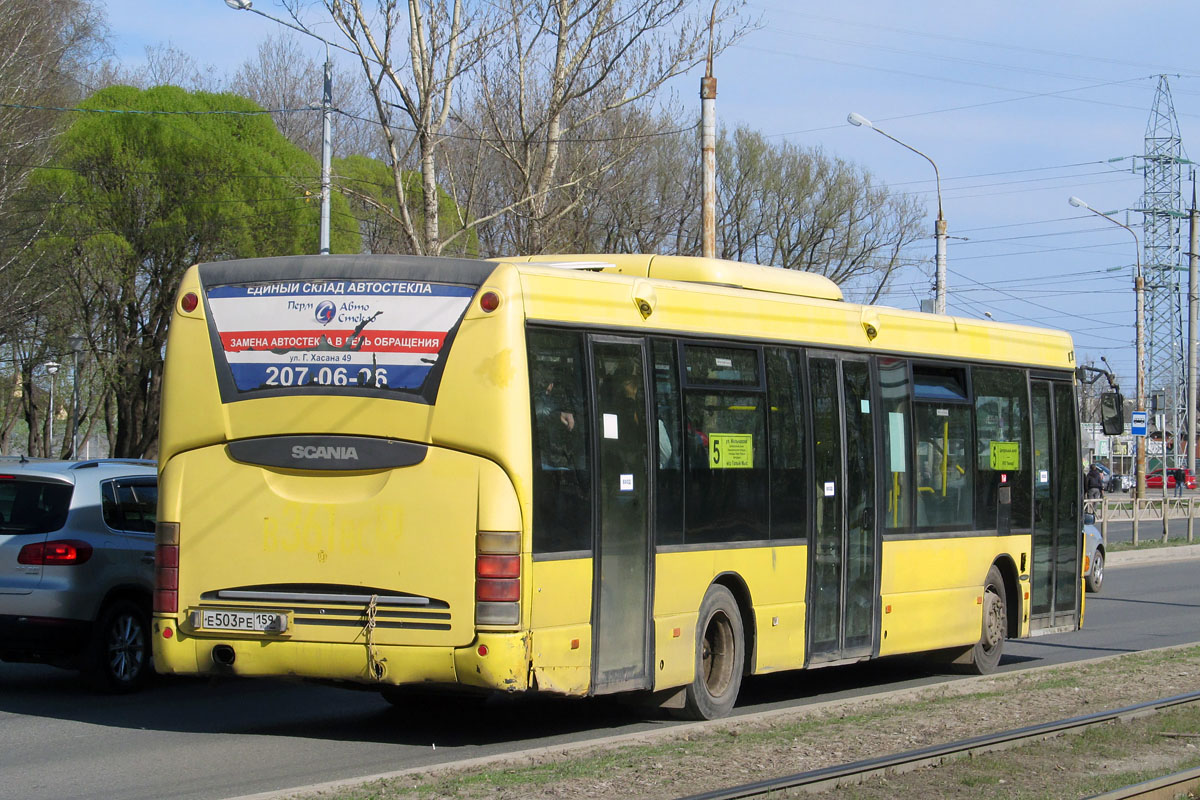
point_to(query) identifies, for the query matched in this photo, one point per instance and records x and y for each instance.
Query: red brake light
(64, 552)
(166, 578)
(488, 566)
(166, 555)
(189, 302)
(490, 590)
(166, 602)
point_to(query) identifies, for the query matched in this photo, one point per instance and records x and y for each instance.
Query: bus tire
(119, 659)
(720, 657)
(985, 655)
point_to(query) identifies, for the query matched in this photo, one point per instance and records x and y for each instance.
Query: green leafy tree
(133, 198)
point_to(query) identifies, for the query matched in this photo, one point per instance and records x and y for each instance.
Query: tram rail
(831, 777)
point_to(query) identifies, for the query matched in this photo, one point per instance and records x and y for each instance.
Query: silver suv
(77, 566)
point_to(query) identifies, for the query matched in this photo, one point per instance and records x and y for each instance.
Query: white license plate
(252, 621)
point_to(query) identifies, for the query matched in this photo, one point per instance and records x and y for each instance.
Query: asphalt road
(202, 740)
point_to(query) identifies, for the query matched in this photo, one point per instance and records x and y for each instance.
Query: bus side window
(726, 460)
(789, 454)
(945, 462)
(669, 445)
(896, 467)
(562, 481)
(1002, 498)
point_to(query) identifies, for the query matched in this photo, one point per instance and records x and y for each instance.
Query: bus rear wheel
(984, 657)
(720, 656)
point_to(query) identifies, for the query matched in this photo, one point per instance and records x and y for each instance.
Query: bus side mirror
(1111, 418)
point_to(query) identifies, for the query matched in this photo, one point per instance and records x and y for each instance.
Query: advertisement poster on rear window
(349, 334)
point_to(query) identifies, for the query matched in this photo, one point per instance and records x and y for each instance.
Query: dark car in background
(77, 566)
(1112, 481)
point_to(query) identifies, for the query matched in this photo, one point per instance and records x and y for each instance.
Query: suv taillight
(166, 568)
(62, 552)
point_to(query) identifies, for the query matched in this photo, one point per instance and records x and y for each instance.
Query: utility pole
(326, 149)
(326, 116)
(1139, 293)
(708, 148)
(1193, 307)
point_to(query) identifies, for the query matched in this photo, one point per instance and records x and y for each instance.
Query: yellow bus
(594, 474)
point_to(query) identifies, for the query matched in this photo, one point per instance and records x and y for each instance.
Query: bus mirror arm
(1112, 404)
(1087, 374)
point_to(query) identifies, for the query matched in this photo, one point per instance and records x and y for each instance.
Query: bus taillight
(491, 566)
(489, 590)
(166, 567)
(498, 578)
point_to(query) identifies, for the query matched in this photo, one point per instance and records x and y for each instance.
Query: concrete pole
(326, 149)
(708, 148)
(708, 152)
(1139, 290)
(940, 287)
(1193, 307)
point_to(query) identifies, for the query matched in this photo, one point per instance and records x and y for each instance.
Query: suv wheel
(120, 658)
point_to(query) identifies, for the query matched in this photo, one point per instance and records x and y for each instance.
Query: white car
(77, 566)
(1093, 563)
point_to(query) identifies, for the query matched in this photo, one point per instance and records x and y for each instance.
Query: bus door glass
(843, 591)
(620, 622)
(1054, 578)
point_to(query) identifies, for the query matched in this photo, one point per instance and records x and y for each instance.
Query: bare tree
(646, 202)
(284, 78)
(800, 209)
(43, 45)
(443, 40)
(546, 101)
(46, 47)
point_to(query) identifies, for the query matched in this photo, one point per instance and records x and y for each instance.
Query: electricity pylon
(1162, 211)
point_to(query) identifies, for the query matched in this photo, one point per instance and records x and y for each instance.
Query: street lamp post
(52, 368)
(326, 115)
(1139, 290)
(858, 120)
(75, 341)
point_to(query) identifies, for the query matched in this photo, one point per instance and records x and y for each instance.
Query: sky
(1020, 104)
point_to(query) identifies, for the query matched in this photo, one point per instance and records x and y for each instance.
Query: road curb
(1152, 555)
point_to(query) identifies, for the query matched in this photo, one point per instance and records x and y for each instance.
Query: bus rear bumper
(495, 661)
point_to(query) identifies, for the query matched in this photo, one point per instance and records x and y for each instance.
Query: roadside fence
(1154, 512)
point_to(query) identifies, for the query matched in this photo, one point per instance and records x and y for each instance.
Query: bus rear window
(335, 336)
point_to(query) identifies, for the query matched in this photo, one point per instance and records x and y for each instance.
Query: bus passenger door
(622, 563)
(843, 582)
(1055, 574)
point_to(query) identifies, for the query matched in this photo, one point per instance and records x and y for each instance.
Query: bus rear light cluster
(498, 578)
(63, 552)
(166, 568)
